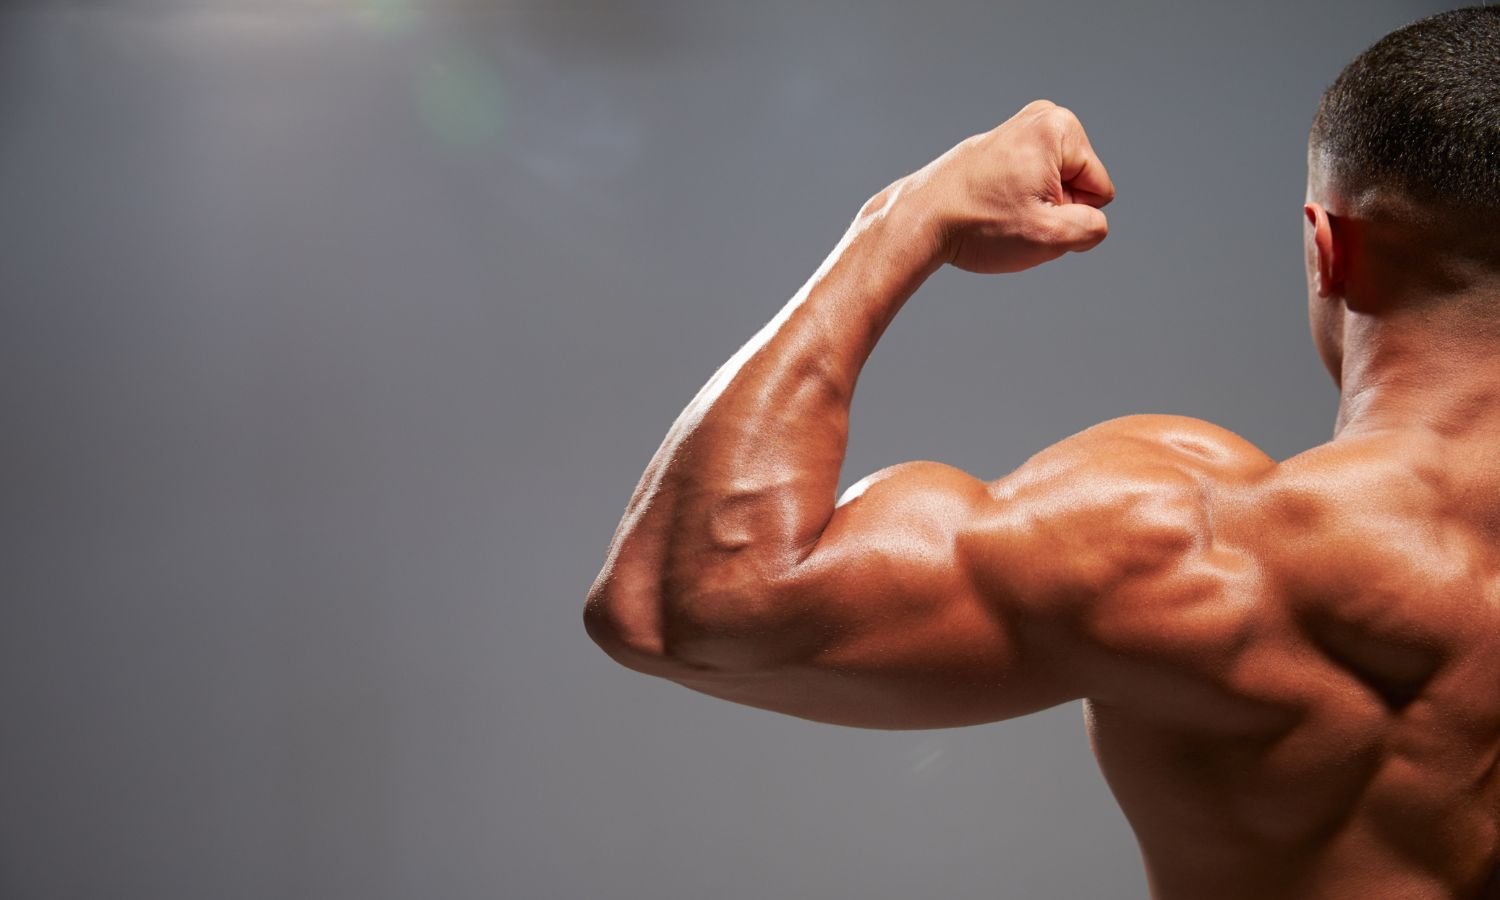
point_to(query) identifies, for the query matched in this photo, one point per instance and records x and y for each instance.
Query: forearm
(746, 478)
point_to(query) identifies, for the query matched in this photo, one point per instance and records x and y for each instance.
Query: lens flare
(460, 97)
(385, 16)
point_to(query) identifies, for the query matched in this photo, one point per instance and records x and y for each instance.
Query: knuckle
(1060, 118)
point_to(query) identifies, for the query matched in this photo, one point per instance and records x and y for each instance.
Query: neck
(1434, 370)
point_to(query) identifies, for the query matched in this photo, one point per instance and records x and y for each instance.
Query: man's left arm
(735, 572)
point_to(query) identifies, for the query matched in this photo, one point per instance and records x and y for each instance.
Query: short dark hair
(1419, 112)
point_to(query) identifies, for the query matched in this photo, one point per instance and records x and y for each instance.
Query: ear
(1330, 261)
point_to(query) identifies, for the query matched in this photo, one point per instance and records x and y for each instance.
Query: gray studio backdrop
(335, 334)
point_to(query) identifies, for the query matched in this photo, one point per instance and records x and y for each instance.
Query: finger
(1082, 171)
(1081, 196)
(1079, 227)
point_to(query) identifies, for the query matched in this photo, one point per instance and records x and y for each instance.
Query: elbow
(695, 627)
(624, 621)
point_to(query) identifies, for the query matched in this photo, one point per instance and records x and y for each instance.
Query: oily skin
(1289, 669)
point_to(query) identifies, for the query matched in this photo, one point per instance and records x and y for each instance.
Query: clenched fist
(1023, 193)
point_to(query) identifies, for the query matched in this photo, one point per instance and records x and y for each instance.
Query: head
(1402, 219)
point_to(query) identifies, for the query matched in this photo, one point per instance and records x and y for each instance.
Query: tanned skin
(1291, 671)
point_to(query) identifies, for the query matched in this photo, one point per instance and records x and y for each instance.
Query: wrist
(904, 222)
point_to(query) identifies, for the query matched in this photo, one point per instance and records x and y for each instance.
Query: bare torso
(1291, 670)
(1349, 749)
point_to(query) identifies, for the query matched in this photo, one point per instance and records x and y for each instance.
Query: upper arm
(934, 599)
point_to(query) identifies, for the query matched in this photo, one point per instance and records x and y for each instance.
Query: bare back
(1349, 745)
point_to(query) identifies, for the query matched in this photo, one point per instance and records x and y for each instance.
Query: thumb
(1079, 227)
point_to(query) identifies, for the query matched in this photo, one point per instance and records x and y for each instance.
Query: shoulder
(1373, 476)
(1163, 440)
(1372, 517)
(1128, 487)
(1130, 531)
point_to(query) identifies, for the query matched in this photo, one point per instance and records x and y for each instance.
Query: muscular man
(1291, 670)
